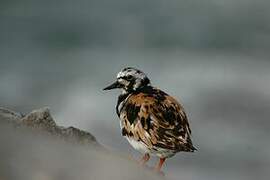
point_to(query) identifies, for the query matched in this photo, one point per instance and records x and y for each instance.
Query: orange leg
(159, 165)
(145, 158)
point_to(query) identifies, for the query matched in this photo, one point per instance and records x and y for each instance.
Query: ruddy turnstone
(152, 121)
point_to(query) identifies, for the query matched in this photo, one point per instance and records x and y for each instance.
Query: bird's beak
(113, 86)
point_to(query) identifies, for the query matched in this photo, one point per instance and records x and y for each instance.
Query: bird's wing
(158, 120)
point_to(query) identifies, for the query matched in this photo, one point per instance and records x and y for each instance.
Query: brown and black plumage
(153, 122)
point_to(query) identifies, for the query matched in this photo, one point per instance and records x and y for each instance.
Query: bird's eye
(129, 77)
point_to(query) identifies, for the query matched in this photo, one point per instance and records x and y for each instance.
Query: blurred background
(213, 55)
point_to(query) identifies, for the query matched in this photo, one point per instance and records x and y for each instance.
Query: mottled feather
(157, 119)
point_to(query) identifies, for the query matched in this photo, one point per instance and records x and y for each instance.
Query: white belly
(141, 147)
(138, 145)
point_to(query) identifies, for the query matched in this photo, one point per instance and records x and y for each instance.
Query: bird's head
(130, 80)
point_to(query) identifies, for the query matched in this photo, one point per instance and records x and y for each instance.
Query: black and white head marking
(132, 79)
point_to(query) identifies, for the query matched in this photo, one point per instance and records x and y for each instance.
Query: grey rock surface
(9, 115)
(41, 120)
(35, 147)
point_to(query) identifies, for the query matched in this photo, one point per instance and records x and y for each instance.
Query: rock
(8, 115)
(26, 153)
(25, 156)
(40, 120)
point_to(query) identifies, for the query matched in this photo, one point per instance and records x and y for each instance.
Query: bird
(153, 122)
